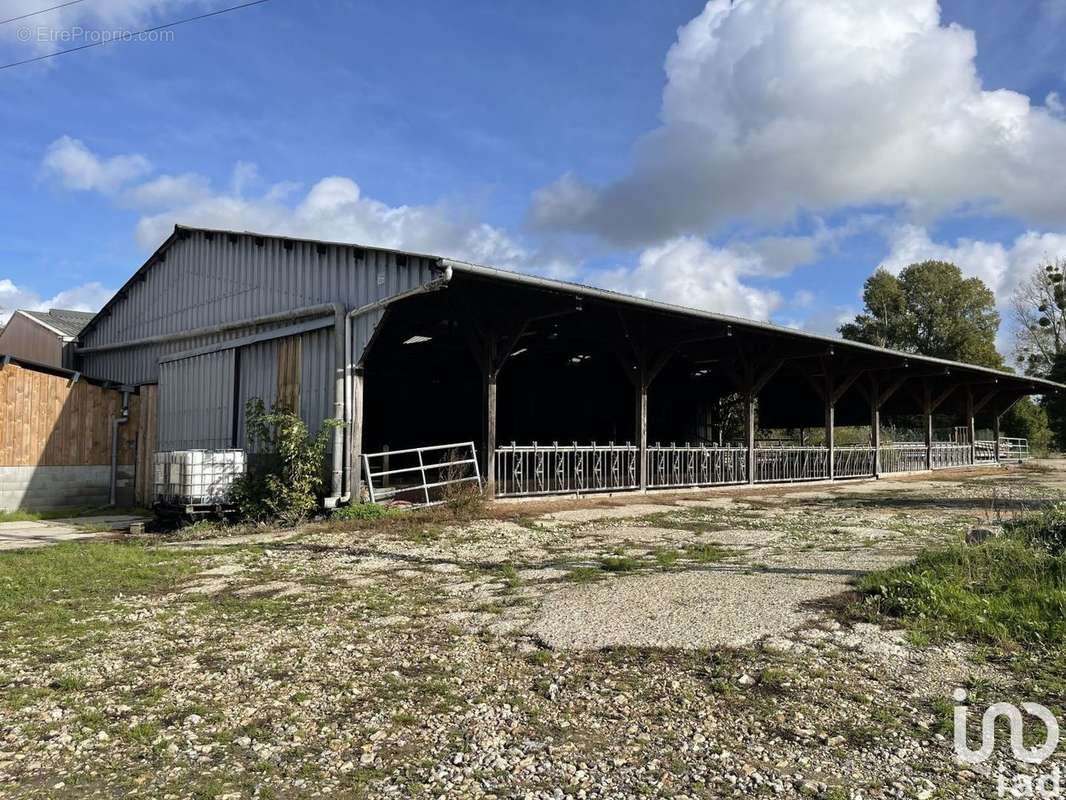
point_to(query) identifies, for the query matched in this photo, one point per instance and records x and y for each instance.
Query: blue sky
(759, 159)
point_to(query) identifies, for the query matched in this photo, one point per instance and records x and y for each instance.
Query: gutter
(212, 330)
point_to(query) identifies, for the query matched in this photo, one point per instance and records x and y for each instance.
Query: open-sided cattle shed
(563, 387)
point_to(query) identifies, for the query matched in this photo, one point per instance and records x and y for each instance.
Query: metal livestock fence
(527, 470)
(853, 461)
(903, 457)
(947, 455)
(791, 464)
(1013, 449)
(678, 467)
(560, 469)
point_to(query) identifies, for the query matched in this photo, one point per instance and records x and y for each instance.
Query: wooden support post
(971, 426)
(642, 430)
(830, 423)
(749, 434)
(356, 439)
(995, 432)
(875, 424)
(489, 460)
(927, 409)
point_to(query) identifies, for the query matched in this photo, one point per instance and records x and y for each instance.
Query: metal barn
(564, 388)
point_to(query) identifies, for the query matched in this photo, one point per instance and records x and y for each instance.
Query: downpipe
(341, 389)
(116, 422)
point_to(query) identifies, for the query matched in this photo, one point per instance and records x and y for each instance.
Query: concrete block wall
(58, 487)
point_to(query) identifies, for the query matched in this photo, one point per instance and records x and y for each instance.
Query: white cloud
(168, 191)
(1054, 104)
(87, 297)
(1055, 9)
(689, 272)
(780, 106)
(334, 208)
(76, 167)
(827, 321)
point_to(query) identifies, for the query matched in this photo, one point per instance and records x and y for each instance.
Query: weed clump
(1045, 531)
(1008, 590)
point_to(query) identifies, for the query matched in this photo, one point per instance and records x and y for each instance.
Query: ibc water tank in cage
(197, 477)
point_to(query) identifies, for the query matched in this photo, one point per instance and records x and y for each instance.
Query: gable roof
(61, 321)
(550, 284)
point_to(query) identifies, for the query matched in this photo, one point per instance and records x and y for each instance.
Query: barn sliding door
(196, 402)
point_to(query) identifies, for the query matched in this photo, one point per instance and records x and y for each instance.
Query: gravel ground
(695, 610)
(685, 647)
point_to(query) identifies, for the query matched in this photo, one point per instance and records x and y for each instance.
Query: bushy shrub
(1045, 531)
(285, 475)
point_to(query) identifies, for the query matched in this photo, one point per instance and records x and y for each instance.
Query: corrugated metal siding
(196, 402)
(206, 282)
(316, 380)
(259, 378)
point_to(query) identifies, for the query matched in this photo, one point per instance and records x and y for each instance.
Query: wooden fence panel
(46, 421)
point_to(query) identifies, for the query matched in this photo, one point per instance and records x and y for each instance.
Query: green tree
(931, 309)
(1028, 420)
(1039, 310)
(1055, 403)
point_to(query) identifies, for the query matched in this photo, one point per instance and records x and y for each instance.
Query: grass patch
(1004, 592)
(508, 573)
(584, 574)
(618, 564)
(1045, 531)
(666, 557)
(707, 553)
(775, 680)
(41, 589)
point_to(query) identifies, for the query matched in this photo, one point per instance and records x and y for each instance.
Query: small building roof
(62, 321)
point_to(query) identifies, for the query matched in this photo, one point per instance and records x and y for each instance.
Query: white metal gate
(420, 475)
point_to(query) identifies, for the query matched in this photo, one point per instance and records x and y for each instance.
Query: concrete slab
(114, 522)
(40, 533)
(24, 535)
